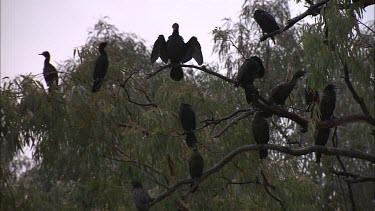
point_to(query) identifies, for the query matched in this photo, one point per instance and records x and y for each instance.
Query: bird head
(258, 12)
(329, 87)
(185, 105)
(175, 26)
(298, 74)
(45, 54)
(102, 45)
(136, 184)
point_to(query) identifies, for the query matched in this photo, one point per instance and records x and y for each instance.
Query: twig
(233, 122)
(217, 121)
(140, 104)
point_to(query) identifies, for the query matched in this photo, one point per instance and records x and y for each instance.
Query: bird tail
(176, 73)
(249, 92)
(97, 84)
(191, 139)
(263, 153)
(318, 157)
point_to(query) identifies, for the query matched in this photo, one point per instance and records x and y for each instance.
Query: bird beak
(41, 54)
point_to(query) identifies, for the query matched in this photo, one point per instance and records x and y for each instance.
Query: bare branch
(233, 122)
(202, 68)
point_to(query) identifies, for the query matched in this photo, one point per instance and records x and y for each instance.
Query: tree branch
(294, 20)
(355, 95)
(287, 150)
(202, 68)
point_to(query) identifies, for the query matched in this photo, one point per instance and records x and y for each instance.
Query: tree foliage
(88, 147)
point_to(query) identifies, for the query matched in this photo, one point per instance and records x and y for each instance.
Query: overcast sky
(29, 27)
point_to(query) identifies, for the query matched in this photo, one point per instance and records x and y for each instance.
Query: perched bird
(328, 102)
(176, 51)
(311, 97)
(101, 67)
(280, 93)
(321, 138)
(251, 69)
(266, 22)
(141, 197)
(49, 72)
(261, 133)
(196, 165)
(187, 118)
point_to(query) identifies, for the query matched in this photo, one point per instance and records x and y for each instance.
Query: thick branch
(295, 152)
(294, 20)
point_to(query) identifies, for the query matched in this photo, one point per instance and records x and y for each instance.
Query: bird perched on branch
(101, 67)
(49, 72)
(176, 51)
(141, 197)
(196, 165)
(251, 69)
(187, 118)
(280, 93)
(328, 102)
(266, 22)
(321, 138)
(261, 133)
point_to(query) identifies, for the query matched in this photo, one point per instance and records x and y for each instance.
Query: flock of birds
(176, 52)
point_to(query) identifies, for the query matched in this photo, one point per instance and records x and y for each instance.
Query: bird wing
(241, 73)
(193, 50)
(159, 50)
(50, 74)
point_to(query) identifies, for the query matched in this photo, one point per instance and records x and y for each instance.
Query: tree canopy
(87, 147)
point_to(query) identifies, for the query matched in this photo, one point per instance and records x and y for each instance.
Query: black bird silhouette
(261, 133)
(251, 69)
(196, 165)
(187, 118)
(176, 51)
(49, 72)
(311, 98)
(280, 93)
(141, 197)
(328, 102)
(266, 22)
(101, 67)
(321, 138)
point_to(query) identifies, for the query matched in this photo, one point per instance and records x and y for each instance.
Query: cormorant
(261, 133)
(49, 72)
(196, 165)
(101, 67)
(280, 93)
(251, 69)
(311, 97)
(187, 118)
(176, 51)
(141, 197)
(328, 102)
(321, 138)
(266, 22)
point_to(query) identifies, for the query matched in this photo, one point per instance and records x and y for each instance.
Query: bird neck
(175, 32)
(46, 61)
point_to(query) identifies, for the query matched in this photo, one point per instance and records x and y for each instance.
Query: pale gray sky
(29, 27)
